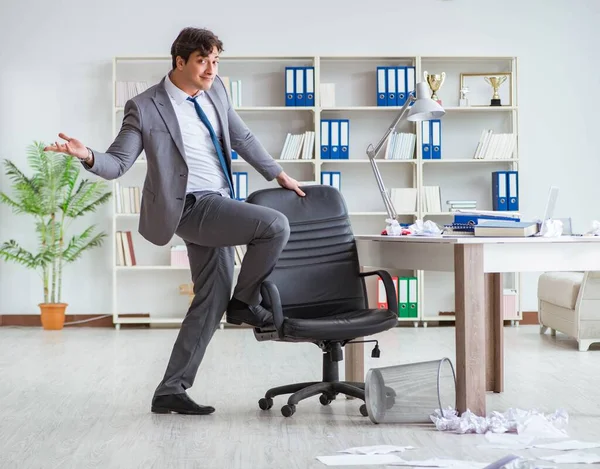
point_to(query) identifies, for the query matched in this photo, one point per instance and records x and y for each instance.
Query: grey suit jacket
(150, 124)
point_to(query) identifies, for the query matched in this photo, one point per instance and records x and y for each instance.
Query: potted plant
(54, 196)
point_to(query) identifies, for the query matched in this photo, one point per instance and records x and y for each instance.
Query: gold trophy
(435, 82)
(495, 82)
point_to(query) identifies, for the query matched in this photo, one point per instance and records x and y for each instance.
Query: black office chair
(317, 292)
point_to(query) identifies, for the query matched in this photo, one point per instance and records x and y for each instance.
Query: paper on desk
(378, 449)
(595, 230)
(551, 228)
(436, 462)
(566, 458)
(427, 228)
(358, 459)
(392, 227)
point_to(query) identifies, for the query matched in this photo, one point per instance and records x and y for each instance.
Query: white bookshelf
(458, 174)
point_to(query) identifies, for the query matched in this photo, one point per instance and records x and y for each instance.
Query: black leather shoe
(257, 316)
(180, 404)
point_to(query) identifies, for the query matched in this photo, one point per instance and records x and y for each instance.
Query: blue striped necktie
(215, 141)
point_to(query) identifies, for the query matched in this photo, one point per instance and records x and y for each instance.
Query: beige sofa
(569, 302)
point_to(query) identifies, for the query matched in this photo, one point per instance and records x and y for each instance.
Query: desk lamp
(423, 108)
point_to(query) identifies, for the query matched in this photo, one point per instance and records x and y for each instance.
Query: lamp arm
(372, 153)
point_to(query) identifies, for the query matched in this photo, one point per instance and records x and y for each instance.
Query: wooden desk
(478, 264)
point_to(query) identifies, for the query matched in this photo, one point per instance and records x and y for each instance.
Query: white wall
(55, 75)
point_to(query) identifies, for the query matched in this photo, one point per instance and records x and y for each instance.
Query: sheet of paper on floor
(538, 426)
(568, 445)
(572, 458)
(358, 459)
(507, 441)
(437, 462)
(377, 449)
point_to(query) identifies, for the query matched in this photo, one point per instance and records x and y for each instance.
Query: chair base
(301, 391)
(329, 387)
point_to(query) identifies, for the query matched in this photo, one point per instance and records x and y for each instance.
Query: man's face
(200, 71)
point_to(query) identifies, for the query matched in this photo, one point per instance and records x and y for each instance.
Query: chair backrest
(317, 273)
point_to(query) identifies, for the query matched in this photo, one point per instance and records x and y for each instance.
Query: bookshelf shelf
(155, 320)
(298, 161)
(362, 108)
(467, 161)
(355, 80)
(150, 267)
(379, 214)
(275, 108)
(366, 160)
(453, 109)
(154, 267)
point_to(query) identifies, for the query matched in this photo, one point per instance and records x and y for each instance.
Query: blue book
(473, 219)
(501, 228)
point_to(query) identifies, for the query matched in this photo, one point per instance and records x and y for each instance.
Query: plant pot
(53, 315)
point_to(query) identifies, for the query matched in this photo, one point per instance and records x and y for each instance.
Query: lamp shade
(424, 108)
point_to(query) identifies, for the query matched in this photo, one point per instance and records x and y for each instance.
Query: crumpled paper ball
(551, 229)
(511, 421)
(595, 231)
(428, 228)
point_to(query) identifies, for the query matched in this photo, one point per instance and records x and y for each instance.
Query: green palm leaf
(11, 251)
(81, 243)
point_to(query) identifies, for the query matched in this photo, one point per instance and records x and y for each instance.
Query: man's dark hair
(191, 40)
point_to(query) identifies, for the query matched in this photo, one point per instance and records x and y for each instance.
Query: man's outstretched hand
(289, 183)
(73, 147)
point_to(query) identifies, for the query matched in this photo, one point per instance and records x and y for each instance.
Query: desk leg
(494, 354)
(355, 353)
(355, 362)
(470, 328)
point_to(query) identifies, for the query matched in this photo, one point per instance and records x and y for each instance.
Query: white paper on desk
(358, 459)
(566, 458)
(435, 462)
(378, 449)
(568, 445)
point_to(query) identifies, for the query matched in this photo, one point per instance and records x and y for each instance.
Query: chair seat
(359, 323)
(560, 288)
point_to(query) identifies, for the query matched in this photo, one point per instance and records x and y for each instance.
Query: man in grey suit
(187, 127)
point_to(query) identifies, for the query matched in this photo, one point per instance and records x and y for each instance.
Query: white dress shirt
(205, 171)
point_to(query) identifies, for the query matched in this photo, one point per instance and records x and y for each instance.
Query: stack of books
(298, 146)
(404, 199)
(495, 146)
(504, 228)
(431, 199)
(234, 90)
(400, 146)
(490, 224)
(456, 205)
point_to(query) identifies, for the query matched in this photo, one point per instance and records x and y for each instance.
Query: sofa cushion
(560, 288)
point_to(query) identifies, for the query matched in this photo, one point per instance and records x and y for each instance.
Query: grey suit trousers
(211, 225)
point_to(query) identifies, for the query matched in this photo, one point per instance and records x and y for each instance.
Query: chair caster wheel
(324, 399)
(288, 410)
(363, 410)
(265, 403)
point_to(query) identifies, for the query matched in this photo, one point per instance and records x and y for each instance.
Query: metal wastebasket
(410, 393)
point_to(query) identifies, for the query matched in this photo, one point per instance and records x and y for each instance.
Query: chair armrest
(272, 301)
(388, 283)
